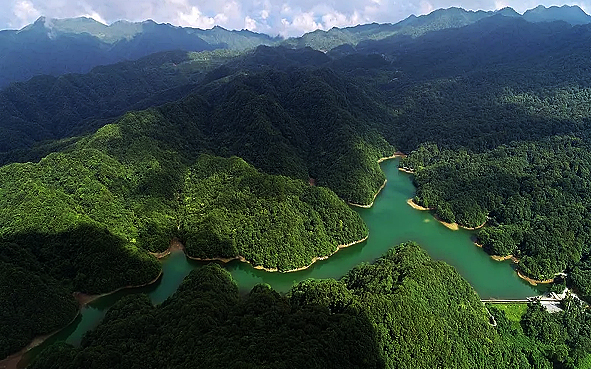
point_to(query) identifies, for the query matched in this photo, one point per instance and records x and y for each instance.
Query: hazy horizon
(288, 18)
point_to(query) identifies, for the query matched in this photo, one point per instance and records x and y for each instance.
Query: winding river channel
(391, 221)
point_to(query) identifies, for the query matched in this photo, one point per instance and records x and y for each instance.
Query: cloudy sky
(275, 17)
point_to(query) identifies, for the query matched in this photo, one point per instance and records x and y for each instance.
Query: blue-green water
(390, 221)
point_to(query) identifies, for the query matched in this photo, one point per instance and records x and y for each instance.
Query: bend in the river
(390, 220)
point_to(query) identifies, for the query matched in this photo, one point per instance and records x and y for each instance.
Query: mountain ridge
(76, 45)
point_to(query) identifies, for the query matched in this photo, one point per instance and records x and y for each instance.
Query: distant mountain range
(76, 45)
(437, 20)
(59, 46)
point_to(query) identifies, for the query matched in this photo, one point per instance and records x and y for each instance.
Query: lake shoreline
(514, 259)
(84, 299)
(11, 362)
(260, 267)
(373, 200)
(455, 226)
(397, 154)
(534, 282)
(498, 257)
(501, 258)
(416, 206)
(475, 228)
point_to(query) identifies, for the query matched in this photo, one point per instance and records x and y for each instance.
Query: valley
(221, 179)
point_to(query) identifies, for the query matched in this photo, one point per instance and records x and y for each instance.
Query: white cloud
(286, 17)
(220, 19)
(250, 24)
(426, 7)
(25, 12)
(194, 18)
(500, 4)
(285, 9)
(96, 16)
(336, 19)
(301, 23)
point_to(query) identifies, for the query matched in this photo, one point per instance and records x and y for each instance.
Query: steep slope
(380, 315)
(411, 26)
(493, 82)
(59, 46)
(437, 20)
(231, 210)
(52, 108)
(301, 123)
(136, 184)
(481, 91)
(570, 14)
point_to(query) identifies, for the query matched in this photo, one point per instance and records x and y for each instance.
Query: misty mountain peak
(508, 12)
(568, 13)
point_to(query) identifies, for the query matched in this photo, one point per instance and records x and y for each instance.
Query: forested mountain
(76, 45)
(55, 47)
(534, 195)
(220, 150)
(231, 210)
(437, 20)
(308, 117)
(51, 108)
(570, 14)
(404, 311)
(500, 80)
(124, 30)
(355, 322)
(141, 181)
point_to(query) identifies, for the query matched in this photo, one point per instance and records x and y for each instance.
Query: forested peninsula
(255, 155)
(87, 217)
(377, 316)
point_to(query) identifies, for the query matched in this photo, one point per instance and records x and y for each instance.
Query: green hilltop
(218, 149)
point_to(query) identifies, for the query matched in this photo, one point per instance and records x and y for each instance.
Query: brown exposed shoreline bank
(397, 154)
(83, 299)
(11, 362)
(260, 267)
(532, 281)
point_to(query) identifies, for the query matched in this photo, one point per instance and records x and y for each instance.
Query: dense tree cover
(68, 231)
(300, 123)
(471, 91)
(87, 218)
(31, 301)
(490, 83)
(118, 193)
(404, 311)
(47, 107)
(208, 324)
(231, 209)
(535, 195)
(537, 338)
(59, 46)
(437, 20)
(424, 313)
(511, 99)
(571, 14)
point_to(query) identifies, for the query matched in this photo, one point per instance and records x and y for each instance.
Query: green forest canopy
(405, 310)
(505, 103)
